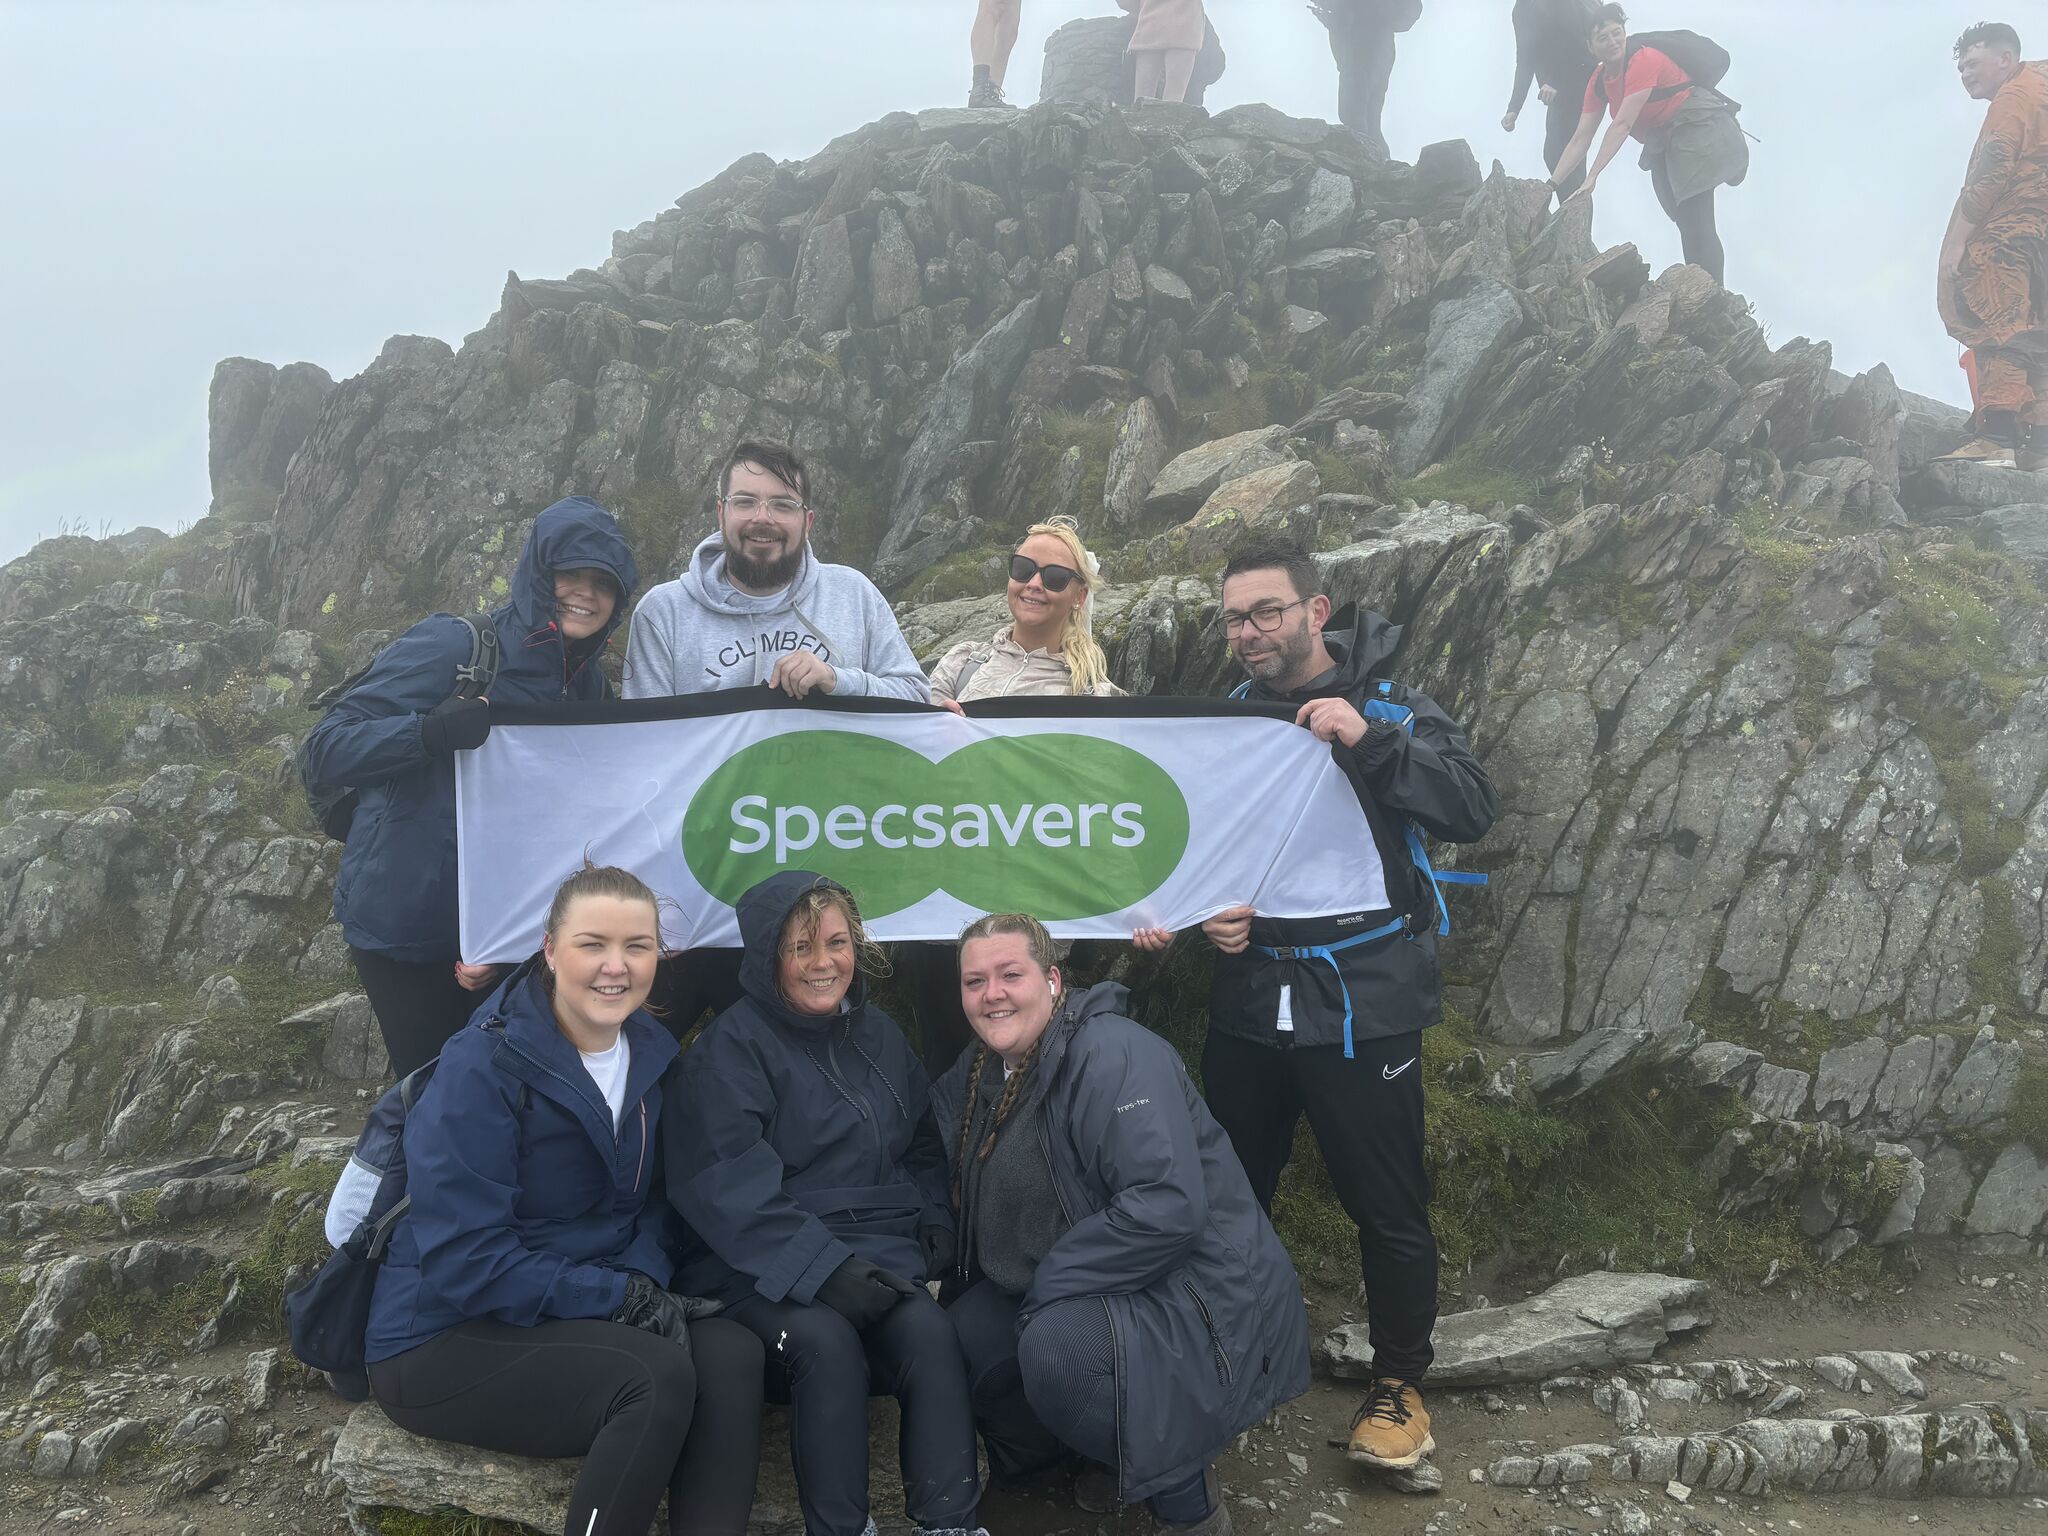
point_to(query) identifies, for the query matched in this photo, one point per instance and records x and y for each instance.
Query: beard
(764, 574)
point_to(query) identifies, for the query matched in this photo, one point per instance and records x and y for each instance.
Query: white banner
(1097, 816)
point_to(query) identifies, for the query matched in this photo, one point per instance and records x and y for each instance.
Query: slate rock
(1134, 463)
(1325, 215)
(1847, 1077)
(1466, 334)
(1189, 479)
(1166, 293)
(205, 1428)
(2020, 529)
(2012, 1201)
(1593, 1321)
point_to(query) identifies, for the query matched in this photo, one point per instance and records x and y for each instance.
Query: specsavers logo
(1058, 826)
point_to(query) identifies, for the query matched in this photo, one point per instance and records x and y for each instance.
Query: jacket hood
(708, 558)
(1075, 1011)
(762, 911)
(1361, 642)
(573, 534)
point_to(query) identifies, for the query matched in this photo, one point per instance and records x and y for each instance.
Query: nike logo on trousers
(1390, 1073)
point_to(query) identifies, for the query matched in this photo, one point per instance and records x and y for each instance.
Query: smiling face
(1984, 69)
(603, 954)
(1008, 998)
(584, 601)
(764, 546)
(1035, 610)
(1286, 657)
(1610, 42)
(814, 968)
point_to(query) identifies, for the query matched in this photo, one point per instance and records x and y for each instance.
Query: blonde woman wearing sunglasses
(1047, 649)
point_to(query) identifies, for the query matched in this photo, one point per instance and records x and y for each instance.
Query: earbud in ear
(1053, 987)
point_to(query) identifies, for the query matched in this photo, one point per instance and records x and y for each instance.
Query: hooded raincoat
(1205, 1310)
(1423, 773)
(795, 1141)
(396, 891)
(527, 1203)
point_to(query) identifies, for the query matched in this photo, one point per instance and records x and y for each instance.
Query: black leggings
(1560, 123)
(829, 1370)
(417, 1006)
(1694, 217)
(645, 1415)
(1052, 1388)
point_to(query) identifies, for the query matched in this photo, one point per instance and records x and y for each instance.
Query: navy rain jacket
(1205, 1309)
(526, 1203)
(1426, 775)
(797, 1142)
(396, 891)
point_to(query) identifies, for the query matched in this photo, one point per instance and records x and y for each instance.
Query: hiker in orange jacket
(1997, 239)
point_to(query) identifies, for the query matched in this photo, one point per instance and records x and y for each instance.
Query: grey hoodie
(699, 633)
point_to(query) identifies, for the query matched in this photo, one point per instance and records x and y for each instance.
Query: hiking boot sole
(1396, 1463)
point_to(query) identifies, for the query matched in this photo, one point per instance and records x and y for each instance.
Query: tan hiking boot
(1987, 451)
(1391, 1427)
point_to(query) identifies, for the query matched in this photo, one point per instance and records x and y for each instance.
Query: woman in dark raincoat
(1118, 1291)
(803, 1156)
(393, 738)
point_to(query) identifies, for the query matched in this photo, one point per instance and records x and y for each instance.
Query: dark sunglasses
(1055, 577)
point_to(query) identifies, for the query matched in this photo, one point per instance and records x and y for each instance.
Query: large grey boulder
(1190, 479)
(1465, 335)
(2021, 529)
(1590, 1322)
(1134, 463)
(257, 415)
(2012, 1202)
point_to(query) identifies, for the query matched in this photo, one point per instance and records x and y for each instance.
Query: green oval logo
(1059, 826)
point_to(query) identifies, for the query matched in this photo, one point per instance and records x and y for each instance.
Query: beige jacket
(1002, 669)
(1167, 24)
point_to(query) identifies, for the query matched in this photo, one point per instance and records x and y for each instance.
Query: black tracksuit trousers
(1561, 121)
(646, 1415)
(417, 1006)
(1366, 1114)
(913, 1355)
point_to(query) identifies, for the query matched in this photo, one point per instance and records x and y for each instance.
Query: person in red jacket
(1691, 140)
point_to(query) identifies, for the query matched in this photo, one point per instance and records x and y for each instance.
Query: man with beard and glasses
(1324, 1016)
(754, 607)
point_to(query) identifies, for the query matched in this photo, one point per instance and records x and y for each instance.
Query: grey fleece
(699, 633)
(1010, 1208)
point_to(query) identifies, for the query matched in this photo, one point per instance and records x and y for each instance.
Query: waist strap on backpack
(1329, 952)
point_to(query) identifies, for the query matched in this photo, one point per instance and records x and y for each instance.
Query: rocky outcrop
(257, 415)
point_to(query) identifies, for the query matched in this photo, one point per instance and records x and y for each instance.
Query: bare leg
(1179, 70)
(995, 35)
(1151, 64)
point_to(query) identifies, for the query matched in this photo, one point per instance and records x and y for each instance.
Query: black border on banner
(735, 701)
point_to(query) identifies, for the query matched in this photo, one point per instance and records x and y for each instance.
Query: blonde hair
(810, 910)
(1086, 664)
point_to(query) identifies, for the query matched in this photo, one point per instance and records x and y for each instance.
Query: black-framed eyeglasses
(1055, 577)
(746, 504)
(1265, 618)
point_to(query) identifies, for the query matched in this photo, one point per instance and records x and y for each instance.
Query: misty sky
(185, 180)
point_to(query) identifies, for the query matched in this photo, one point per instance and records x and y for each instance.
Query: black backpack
(329, 1312)
(335, 809)
(1704, 61)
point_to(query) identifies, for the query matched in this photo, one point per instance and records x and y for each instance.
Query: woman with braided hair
(1119, 1295)
(803, 1156)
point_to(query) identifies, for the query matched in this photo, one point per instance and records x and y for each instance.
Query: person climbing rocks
(1324, 1016)
(1164, 46)
(991, 42)
(1362, 36)
(1550, 54)
(1997, 242)
(1691, 140)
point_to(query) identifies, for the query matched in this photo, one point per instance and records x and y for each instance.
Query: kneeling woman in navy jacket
(805, 1161)
(1119, 1292)
(521, 1306)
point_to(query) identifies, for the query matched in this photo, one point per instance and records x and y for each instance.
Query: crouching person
(1119, 1292)
(521, 1307)
(803, 1156)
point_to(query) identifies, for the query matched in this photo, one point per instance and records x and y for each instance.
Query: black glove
(653, 1310)
(863, 1293)
(458, 725)
(941, 1248)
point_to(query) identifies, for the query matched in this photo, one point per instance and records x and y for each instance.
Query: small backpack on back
(1704, 61)
(335, 809)
(329, 1313)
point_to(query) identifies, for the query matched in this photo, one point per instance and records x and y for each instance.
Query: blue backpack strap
(1329, 952)
(1242, 690)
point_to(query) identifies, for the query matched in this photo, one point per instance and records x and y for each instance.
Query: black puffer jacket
(1423, 772)
(1204, 1306)
(795, 1142)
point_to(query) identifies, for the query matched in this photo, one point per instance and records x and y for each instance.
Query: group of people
(614, 1247)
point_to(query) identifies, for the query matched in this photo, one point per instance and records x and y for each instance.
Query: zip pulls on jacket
(584, 1091)
(553, 631)
(846, 1090)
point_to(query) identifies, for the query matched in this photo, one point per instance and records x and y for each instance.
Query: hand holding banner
(1096, 816)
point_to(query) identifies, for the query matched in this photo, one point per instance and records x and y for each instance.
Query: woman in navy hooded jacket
(1118, 1291)
(521, 1306)
(802, 1154)
(392, 739)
